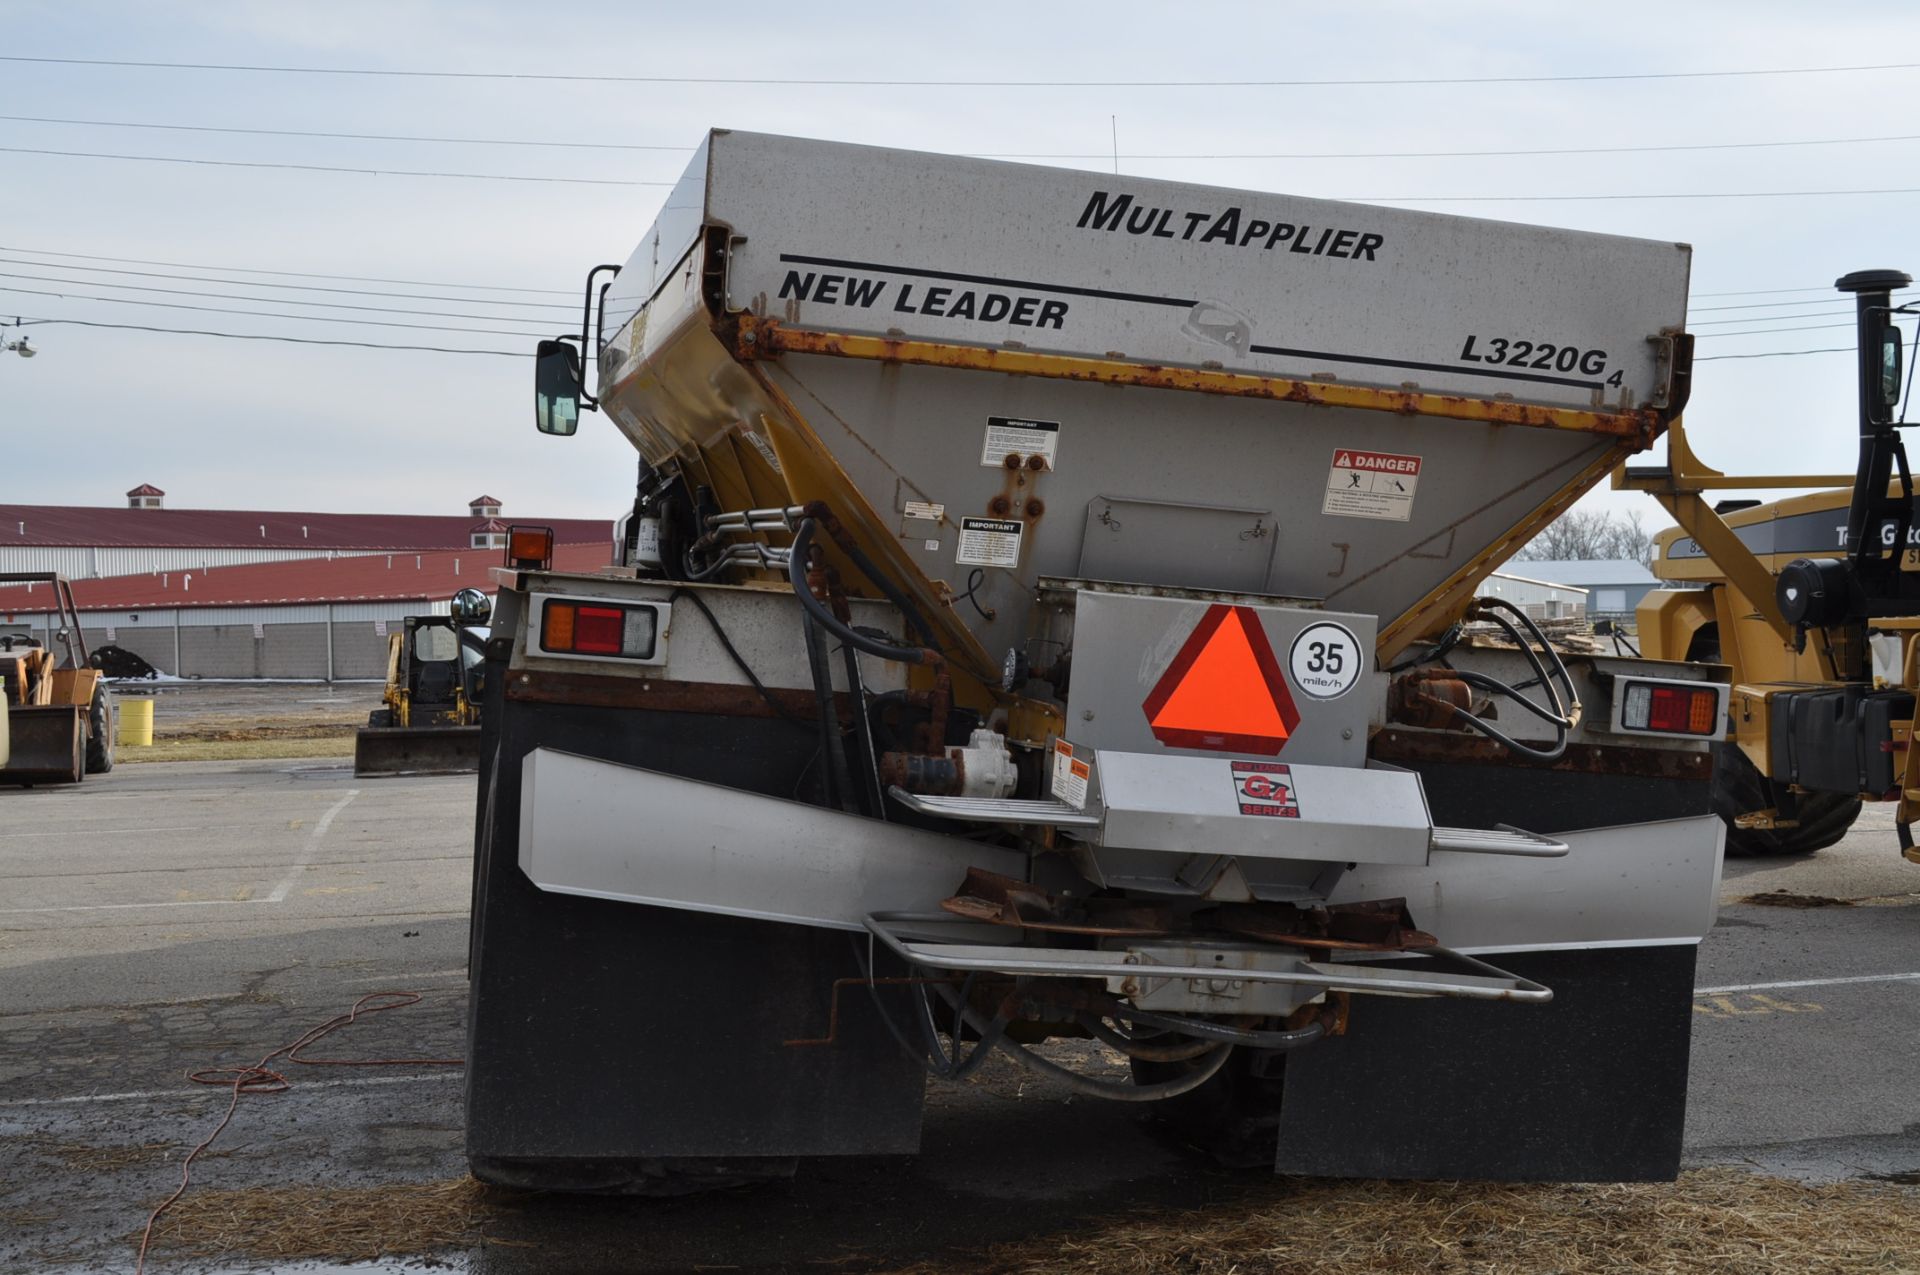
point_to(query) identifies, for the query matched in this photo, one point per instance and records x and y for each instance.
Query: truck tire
(100, 732)
(1738, 787)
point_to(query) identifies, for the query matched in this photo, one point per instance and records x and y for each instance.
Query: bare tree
(1580, 534)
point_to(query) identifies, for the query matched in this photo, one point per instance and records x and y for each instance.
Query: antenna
(1113, 122)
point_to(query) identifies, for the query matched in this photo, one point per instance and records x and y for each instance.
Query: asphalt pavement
(186, 915)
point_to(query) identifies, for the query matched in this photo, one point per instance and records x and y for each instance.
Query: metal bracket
(932, 951)
(995, 809)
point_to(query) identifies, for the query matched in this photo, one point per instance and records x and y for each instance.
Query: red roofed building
(84, 541)
(320, 618)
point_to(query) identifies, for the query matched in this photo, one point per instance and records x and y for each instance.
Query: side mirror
(556, 388)
(1888, 382)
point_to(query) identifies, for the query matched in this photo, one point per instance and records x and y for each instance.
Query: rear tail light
(597, 628)
(1650, 707)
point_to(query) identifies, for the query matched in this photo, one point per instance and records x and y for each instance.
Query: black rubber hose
(839, 782)
(885, 584)
(1286, 1038)
(739, 661)
(797, 576)
(1187, 1048)
(1210, 1064)
(874, 800)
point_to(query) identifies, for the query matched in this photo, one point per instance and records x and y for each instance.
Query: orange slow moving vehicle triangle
(1224, 690)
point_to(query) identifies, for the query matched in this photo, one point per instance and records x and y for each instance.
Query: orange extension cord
(262, 1079)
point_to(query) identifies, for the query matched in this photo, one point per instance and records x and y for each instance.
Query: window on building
(1609, 600)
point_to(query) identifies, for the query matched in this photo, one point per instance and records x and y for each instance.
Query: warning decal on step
(1265, 788)
(1371, 485)
(1016, 436)
(990, 542)
(1070, 775)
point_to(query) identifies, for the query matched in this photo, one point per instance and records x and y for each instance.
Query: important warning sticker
(990, 542)
(1265, 788)
(1070, 775)
(1017, 436)
(1371, 485)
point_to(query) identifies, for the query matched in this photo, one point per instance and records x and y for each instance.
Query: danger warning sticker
(1265, 788)
(1070, 775)
(990, 542)
(1371, 485)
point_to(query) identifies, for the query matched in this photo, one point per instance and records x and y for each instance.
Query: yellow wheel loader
(1813, 602)
(59, 713)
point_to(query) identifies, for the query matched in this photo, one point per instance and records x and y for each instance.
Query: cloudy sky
(271, 424)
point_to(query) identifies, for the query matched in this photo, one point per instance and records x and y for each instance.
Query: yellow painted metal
(764, 338)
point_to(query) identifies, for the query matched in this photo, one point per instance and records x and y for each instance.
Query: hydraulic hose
(817, 511)
(797, 576)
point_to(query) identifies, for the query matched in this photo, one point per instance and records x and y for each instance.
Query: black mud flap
(1589, 1088)
(616, 1047)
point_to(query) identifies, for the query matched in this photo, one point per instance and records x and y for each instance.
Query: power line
(351, 137)
(1811, 327)
(595, 181)
(294, 274)
(263, 314)
(1775, 354)
(299, 287)
(859, 83)
(1770, 305)
(236, 296)
(1103, 155)
(290, 340)
(1767, 318)
(1762, 292)
(1709, 194)
(325, 168)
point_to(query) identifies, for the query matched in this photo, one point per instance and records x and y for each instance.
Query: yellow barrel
(136, 723)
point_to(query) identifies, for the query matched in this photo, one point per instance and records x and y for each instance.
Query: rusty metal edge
(756, 338)
(590, 690)
(1402, 747)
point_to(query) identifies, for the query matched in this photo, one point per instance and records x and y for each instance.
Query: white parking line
(1806, 982)
(280, 892)
(277, 895)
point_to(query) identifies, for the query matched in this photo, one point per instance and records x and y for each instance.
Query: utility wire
(254, 336)
(1708, 194)
(902, 83)
(263, 314)
(1775, 354)
(241, 296)
(325, 168)
(298, 287)
(352, 137)
(1103, 155)
(1811, 327)
(597, 181)
(295, 274)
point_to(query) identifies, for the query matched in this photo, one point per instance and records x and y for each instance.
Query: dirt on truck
(1050, 610)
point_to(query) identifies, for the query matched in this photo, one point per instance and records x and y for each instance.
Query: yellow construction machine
(429, 718)
(59, 714)
(1813, 602)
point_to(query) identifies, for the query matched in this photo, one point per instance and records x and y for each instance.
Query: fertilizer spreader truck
(1050, 612)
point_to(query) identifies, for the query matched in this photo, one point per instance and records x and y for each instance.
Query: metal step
(1504, 839)
(996, 809)
(916, 937)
